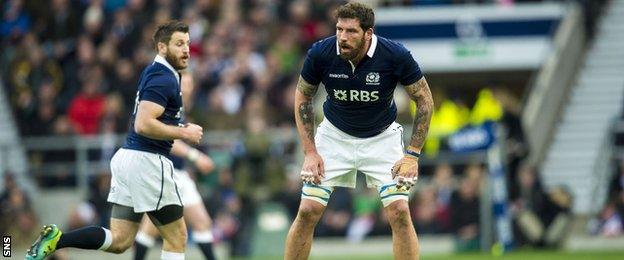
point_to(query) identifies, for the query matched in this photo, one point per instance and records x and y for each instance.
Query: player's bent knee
(310, 212)
(176, 239)
(120, 244)
(399, 213)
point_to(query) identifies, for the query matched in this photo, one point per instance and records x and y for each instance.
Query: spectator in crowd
(16, 21)
(608, 223)
(610, 220)
(425, 211)
(16, 215)
(291, 195)
(87, 108)
(619, 205)
(444, 184)
(94, 210)
(448, 118)
(540, 218)
(616, 187)
(338, 214)
(465, 215)
(365, 213)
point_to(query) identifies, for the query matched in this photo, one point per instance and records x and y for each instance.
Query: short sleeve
(158, 89)
(409, 71)
(310, 71)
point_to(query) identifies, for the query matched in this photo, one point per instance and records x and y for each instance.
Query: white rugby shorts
(189, 192)
(344, 155)
(142, 180)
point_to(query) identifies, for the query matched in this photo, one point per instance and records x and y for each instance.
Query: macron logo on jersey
(338, 76)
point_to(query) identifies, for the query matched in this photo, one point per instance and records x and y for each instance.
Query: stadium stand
(579, 156)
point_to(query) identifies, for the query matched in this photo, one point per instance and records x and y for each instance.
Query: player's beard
(354, 50)
(175, 62)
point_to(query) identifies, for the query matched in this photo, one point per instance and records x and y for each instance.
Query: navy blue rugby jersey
(159, 83)
(360, 98)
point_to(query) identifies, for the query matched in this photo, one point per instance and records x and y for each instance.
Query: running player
(143, 179)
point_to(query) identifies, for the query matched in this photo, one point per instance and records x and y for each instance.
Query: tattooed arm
(304, 114)
(420, 93)
(313, 168)
(407, 167)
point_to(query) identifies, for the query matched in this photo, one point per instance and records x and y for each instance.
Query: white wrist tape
(192, 154)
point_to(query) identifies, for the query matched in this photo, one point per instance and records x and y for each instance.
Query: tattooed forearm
(420, 93)
(304, 113)
(306, 117)
(306, 88)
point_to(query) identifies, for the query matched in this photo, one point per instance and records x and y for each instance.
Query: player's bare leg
(300, 235)
(148, 228)
(197, 216)
(145, 238)
(116, 240)
(123, 232)
(174, 236)
(404, 239)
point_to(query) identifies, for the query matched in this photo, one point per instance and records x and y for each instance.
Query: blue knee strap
(316, 193)
(389, 193)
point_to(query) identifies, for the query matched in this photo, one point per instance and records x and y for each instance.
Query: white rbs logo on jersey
(356, 95)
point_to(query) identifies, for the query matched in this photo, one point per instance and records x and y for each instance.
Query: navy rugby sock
(90, 237)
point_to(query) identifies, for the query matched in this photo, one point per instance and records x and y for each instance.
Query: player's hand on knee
(404, 183)
(313, 169)
(405, 172)
(192, 133)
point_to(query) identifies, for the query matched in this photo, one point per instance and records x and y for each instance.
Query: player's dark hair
(359, 11)
(164, 31)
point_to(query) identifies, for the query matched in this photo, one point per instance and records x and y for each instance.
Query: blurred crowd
(610, 220)
(17, 217)
(72, 69)
(73, 65)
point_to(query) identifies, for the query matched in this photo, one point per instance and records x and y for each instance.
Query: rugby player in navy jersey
(143, 179)
(195, 213)
(360, 72)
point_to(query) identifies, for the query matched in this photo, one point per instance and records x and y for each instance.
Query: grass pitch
(517, 255)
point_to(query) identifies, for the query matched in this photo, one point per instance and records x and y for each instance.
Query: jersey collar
(371, 49)
(163, 61)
